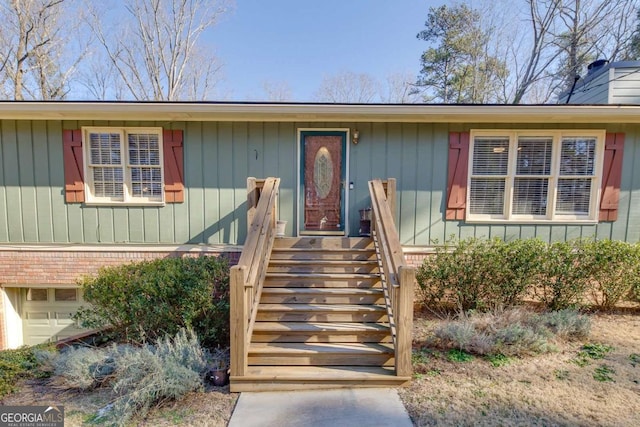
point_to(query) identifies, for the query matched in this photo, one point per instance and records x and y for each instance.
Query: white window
(123, 165)
(534, 176)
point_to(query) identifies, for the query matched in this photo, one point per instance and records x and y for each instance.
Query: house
(89, 184)
(606, 83)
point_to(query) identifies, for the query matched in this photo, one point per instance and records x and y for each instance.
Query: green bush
(565, 275)
(150, 299)
(488, 274)
(615, 270)
(480, 274)
(634, 292)
(19, 363)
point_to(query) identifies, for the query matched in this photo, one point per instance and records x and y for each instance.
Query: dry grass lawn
(544, 390)
(212, 407)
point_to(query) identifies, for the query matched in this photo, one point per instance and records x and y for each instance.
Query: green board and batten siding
(220, 155)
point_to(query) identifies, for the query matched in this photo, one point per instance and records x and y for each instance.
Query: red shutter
(173, 166)
(457, 178)
(73, 166)
(611, 176)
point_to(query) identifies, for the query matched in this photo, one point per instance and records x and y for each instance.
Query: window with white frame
(123, 165)
(531, 176)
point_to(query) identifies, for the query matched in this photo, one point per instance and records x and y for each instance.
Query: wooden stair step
(292, 295)
(314, 348)
(323, 276)
(321, 354)
(344, 254)
(275, 378)
(330, 243)
(322, 280)
(320, 327)
(337, 262)
(321, 312)
(320, 332)
(297, 281)
(322, 266)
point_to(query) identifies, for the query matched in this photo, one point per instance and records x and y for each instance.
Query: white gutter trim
(414, 113)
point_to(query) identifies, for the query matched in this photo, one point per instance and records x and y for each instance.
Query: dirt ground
(211, 407)
(545, 390)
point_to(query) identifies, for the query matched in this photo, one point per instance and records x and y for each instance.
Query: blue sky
(301, 41)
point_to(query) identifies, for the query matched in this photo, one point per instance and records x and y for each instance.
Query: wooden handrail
(398, 278)
(247, 277)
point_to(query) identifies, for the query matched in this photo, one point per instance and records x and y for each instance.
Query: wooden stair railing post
(252, 200)
(404, 320)
(246, 278)
(390, 191)
(254, 188)
(399, 278)
(239, 321)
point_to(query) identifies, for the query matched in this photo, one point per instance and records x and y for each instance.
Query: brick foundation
(20, 268)
(415, 259)
(39, 266)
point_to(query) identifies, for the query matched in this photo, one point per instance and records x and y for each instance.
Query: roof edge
(314, 112)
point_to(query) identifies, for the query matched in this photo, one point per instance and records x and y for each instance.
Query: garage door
(47, 314)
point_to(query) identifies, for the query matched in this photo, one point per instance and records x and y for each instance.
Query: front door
(323, 173)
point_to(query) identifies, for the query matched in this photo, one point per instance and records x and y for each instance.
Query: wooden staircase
(320, 312)
(322, 319)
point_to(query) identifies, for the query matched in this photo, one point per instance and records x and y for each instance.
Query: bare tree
(157, 55)
(276, 91)
(99, 81)
(585, 34)
(545, 43)
(348, 86)
(399, 88)
(535, 65)
(37, 58)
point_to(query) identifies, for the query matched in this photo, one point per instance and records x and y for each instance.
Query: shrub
(565, 275)
(480, 274)
(82, 367)
(566, 324)
(521, 339)
(489, 274)
(150, 299)
(634, 292)
(152, 375)
(19, 363)
(514, 332)
(140, 376)
(615, 270)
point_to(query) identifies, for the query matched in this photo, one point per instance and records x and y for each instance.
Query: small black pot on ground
(218, 377)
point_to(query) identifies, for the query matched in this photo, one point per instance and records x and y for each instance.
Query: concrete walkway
(335, 408)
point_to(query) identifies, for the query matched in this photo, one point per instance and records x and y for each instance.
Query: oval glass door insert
(323, 172)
